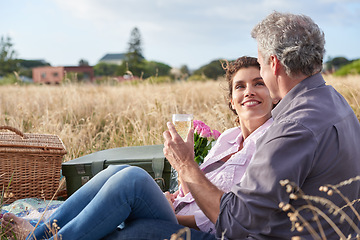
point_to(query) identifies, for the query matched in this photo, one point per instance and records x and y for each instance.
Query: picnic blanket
(32, 209)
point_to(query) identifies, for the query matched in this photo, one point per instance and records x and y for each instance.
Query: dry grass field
(90, 118)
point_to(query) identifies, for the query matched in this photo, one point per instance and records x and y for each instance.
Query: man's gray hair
(296, 40)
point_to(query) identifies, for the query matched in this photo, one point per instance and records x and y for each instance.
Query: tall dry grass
(90, 118)
(349, 87)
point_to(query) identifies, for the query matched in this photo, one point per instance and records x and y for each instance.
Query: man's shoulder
(316, 110)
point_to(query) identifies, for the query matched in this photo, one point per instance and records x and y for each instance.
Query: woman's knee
(116, 168)
(135, 173)
(128, 177)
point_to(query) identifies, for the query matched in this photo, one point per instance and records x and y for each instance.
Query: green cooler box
(151, 158)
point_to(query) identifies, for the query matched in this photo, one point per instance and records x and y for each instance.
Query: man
(313, 141)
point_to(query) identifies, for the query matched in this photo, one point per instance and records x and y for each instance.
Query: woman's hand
(178, 152)
(171, 198)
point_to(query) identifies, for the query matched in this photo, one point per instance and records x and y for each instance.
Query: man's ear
(274, 64)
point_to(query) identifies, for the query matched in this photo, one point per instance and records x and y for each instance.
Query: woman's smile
(250, 103)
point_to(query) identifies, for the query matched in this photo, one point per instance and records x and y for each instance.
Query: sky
(174, 32)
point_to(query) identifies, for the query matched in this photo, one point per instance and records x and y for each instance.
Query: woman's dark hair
(232, 68)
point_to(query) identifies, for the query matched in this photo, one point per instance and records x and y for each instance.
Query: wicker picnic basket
(29, 164)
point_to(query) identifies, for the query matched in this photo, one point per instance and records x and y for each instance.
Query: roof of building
(113, 56)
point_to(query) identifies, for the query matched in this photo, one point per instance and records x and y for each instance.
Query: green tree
(83, 62)
(185, 70)
(352, 68)
(212, 70)
(120, 70)
(336, 63)
(105, 69)
(26, 66)
(32, 63)
(8, 61)
(152, 68)
(134, 56)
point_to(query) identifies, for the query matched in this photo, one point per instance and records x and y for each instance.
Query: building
(113, 58)
(55, 75)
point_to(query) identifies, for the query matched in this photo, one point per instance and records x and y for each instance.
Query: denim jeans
(154, 229)
(118, 194)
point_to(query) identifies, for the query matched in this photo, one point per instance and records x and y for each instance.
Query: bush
(198, 78)
(160, 79)
(105, 69)
(9, 79)
(152, 68)
(351, 68)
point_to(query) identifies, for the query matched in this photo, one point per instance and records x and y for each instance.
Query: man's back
(313, 141)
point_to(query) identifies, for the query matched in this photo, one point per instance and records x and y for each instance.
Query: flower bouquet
(203, 139)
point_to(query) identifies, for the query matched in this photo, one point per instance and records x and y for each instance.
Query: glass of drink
(182, 123)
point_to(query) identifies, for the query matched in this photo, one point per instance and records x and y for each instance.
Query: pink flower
(198, 126)
(203, 139)
(205, 132)
(216, 134)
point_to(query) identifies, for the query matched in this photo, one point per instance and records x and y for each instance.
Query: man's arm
(284, 152)
(180, 154)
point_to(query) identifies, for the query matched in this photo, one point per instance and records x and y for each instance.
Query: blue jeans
(154, 229)
(117, 194)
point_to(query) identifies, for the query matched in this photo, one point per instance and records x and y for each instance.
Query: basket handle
(15, 130)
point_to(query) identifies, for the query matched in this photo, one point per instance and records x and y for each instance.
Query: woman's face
(250, 97)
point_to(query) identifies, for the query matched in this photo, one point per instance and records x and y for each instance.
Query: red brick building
(55, 75)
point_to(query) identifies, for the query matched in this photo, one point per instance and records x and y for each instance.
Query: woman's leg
(129, 194)
(77, 201)
(155, 229)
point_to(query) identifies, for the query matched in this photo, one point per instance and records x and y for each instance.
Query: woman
(227, 161)
(123, 193)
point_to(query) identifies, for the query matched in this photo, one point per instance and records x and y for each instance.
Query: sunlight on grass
(90, 118)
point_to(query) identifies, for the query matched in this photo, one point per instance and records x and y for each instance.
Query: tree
(185, 70)
(135, 48)
(32, 63)
(336, 63)
(8, 62)
(83, 62)
(352, 68)
(152, 68)
(212, 70)
(105, 69)
(26, 66)
(134, 56)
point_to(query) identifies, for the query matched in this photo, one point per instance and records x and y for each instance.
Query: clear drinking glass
(182, 123)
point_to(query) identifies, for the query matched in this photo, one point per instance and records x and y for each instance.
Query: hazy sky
(175, 32)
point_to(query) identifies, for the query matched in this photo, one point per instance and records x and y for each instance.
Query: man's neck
(287, 83)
